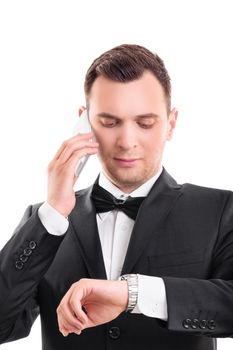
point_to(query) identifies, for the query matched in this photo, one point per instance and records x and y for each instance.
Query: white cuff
(55, 223)
(152, 300)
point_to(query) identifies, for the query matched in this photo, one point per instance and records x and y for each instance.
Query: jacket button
(19, 265)
(187, 323)
(211, 324)
(27, 251)
(114, 332)
(195, 323)
(203, 324)
(23, 258)
(32, 245)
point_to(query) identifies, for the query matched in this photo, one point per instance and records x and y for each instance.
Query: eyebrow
(139, 116)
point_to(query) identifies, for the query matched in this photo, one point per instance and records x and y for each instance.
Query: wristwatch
(132, 281)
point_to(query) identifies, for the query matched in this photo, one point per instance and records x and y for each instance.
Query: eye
(146, 125)
(109, 123)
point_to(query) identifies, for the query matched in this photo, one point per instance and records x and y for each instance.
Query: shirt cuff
(55, 223)
(152, 300)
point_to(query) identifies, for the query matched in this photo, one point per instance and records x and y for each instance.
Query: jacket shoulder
(206, 193)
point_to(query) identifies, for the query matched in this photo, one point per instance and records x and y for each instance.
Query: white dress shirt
(115, 229)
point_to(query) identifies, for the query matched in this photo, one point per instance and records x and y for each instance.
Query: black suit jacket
(183, 233)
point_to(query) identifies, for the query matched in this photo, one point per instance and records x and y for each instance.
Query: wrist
(59, 210)
(132, 284)
(123, 294)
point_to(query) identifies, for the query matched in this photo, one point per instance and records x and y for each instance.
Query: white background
(45, 49)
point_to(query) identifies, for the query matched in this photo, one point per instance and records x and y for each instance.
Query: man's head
(126, 63)
(128, 97)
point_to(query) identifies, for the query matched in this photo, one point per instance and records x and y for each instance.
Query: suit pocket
(178, 264)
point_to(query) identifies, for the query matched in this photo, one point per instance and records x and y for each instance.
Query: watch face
(123, 278)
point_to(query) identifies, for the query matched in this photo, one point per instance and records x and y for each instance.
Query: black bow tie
(105, 201)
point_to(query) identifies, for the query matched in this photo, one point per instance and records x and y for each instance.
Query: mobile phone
(82, 126)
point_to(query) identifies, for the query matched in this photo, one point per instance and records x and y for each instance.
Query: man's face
(131, 124)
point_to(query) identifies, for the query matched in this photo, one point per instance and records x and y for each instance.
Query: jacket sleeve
(205, 307)
(23, 262)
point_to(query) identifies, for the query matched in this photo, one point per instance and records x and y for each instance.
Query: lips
(126, 161)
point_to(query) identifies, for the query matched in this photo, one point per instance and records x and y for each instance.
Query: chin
(127, 178)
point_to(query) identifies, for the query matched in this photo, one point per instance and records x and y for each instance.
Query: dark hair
(125, 63)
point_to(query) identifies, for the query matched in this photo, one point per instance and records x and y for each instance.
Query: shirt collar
(141, 191)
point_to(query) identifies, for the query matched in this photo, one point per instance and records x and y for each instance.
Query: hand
(61, 176)
(91, 302)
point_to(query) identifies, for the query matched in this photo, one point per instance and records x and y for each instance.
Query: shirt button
(123, 196)
(114, 332)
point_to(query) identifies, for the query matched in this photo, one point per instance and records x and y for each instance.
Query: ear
(172, 118)
(81, 110)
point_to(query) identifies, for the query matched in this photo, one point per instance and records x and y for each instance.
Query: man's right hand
(91, 302)
(61, 171)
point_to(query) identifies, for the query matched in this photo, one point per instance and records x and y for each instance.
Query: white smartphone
(82, 126)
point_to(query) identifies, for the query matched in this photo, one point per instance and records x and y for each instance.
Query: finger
(76, 156)
(65, 328)
(67, 320)
(78, 310)
(63, 331)
(64, 144)
(73, 147)
(66, 332)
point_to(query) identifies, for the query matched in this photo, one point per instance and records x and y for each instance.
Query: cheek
(105, 140)
(154, 144)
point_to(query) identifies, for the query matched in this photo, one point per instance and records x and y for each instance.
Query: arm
(205, 306)
(23, 262)
(29, 253)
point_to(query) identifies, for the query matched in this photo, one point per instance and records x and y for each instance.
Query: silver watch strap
(132, 281)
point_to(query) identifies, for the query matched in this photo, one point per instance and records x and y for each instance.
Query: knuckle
(65, 143)
(84, 280)
(71, 148)
(72, 303)
(58, 310)
(68, 143)
(74, 284)
(50, 167)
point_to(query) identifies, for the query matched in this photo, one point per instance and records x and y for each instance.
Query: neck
(130, 187)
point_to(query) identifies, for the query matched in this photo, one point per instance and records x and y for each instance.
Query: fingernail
(64, 333)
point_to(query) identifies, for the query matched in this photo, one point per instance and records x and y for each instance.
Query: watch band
(132, 281)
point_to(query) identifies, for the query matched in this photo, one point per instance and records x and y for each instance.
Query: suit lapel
(150, 218)
(83, 221)
(151, 215)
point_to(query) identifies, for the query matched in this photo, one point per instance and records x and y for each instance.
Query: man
(170, 245)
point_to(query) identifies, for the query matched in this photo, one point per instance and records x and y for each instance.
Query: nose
(126, 138)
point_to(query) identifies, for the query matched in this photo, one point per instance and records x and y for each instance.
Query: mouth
(126, 162)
